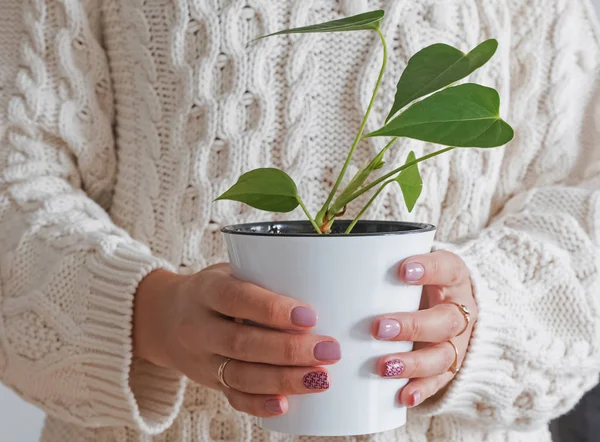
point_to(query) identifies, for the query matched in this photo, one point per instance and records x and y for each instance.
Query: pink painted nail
(388, 328)
(304, 317)
(316, 380)
(393, 368)
(328, 351)
(415, 398)
(413, 271)
(274, 406)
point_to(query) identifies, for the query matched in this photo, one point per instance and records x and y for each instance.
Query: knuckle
(272, 311)
(455, 324)
(234, 292)
(238, 345)
(458, 269)
(286, 383)
(209, 285)
(415, 367)
(292, 350)
(433, 267)
(456, 272)
(412, 328)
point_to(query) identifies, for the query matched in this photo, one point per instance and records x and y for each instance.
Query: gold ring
(454, 367)
(464, 310)
(221, 372)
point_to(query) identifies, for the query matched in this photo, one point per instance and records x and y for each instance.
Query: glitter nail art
(316, 380)
(393, 368)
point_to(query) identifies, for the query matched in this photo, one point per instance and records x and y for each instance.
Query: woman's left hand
(434, 362)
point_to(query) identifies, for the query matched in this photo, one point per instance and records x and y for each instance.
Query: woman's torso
(196, 105)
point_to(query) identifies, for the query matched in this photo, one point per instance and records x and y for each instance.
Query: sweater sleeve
(535, 272)
(68, 275)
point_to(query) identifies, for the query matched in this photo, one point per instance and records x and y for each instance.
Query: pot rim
(247, 229)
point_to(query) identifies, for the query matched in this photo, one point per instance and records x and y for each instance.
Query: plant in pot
(345, 268)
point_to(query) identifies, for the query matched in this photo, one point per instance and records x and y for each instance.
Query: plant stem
(336, 186)
(364, 209)
(307, 213)
(392, 173)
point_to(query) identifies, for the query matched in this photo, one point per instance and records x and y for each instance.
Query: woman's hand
(187, 323)
(446, 283)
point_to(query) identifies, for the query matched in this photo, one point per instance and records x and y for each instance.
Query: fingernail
(274, 406)
(413, 271)
(304, 317)
(415, 398)
(388, 328)
(316, 380)
(328, 351)
(393, 368)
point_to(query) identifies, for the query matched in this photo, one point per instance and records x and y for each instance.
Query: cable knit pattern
(68, 274)
(121, 121)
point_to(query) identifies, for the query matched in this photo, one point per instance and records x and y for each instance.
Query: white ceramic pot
(349, 280)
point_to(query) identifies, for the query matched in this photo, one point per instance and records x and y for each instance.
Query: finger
(436, 324)
(270, 379)
(419, 390)
(437, 268)
(429, 361)
(254, 344)
(257, 405)
(239, 299)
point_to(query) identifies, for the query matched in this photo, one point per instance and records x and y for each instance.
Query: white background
(21, 422)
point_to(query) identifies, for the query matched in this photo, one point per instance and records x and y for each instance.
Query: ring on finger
(454, 367)
(221, 372)
(464, 310)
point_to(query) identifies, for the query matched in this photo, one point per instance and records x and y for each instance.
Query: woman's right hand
(185, 322)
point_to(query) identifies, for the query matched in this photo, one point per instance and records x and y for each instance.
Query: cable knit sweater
(121, 121)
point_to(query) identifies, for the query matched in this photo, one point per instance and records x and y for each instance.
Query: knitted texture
(172, 87)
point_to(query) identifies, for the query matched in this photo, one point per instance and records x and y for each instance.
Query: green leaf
(268, 189)
(410, 182)
(436, 67)
(460, 116)
(361, 22)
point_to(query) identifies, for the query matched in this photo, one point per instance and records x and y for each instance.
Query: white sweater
(121, 121)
